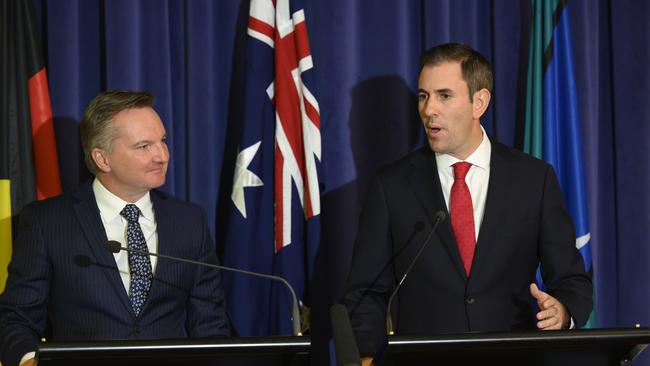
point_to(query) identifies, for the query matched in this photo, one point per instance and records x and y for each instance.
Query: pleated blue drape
(366, 54)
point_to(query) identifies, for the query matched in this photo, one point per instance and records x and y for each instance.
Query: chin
(436, 147)
(156, 180)
(156, 183)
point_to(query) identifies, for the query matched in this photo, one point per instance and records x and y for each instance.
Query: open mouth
(433, 131)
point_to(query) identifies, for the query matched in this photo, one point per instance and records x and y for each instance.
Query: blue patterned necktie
(140, 265)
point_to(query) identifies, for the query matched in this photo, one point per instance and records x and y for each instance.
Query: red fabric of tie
(462, 215)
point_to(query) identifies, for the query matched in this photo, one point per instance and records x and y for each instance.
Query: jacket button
(469, 300)
(137, 329)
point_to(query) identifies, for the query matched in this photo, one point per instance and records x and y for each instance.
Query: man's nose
(429, 107)
(162, 153)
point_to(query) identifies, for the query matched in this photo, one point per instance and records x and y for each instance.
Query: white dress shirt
(477, 177)
(115, 225)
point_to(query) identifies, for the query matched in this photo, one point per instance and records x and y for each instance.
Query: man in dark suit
(64, 285)
(505, 214)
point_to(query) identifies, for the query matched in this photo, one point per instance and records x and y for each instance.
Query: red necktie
(462, 215)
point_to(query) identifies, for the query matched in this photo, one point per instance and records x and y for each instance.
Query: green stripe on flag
(534, 81)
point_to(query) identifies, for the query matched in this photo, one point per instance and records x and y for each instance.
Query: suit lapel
(165, 231)
(425, 182)
(91, 225)
(498, 188)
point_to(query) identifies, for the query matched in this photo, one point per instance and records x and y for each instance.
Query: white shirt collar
(111, 205)
(480, 157)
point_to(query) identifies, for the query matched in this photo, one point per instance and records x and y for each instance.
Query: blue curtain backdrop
(189, 54)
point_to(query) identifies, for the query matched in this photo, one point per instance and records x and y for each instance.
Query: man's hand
(30, 362)
(552, 314)
(367, 361)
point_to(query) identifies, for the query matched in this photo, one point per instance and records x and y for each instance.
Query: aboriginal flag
(29, 167)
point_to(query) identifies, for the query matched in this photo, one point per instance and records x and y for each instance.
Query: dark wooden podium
(221, 351)
(593, 347)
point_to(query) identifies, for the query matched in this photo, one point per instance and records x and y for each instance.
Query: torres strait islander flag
(552, 131)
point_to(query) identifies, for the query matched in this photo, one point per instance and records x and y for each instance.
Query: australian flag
(274, 225)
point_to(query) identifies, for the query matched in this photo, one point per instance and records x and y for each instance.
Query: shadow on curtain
(188, 53)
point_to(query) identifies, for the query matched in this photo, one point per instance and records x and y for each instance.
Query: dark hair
(476, 70)
(97, 130)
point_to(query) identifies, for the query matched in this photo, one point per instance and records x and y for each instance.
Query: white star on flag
(583, 240)
(243, 177)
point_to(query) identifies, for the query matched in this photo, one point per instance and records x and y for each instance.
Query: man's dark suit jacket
(525, 223)
(65, 285)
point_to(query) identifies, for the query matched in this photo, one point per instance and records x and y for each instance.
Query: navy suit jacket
(525, 223)
(64, 285)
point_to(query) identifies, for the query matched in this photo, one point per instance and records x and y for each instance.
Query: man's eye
(422, 97)
(445, 96)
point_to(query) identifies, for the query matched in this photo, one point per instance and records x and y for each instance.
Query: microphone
(115, 246)
(417, 227)
(347, 352)
(439, 217)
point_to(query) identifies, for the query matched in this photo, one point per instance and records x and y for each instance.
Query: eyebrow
(437, 91)
(148, 141)
(444, 90)
(139, 142)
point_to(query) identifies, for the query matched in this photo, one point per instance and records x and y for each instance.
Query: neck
(116, 189)
(472, 144)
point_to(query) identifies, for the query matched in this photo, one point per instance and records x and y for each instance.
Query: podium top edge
(639, 335)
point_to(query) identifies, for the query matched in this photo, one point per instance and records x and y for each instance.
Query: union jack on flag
(274, 221)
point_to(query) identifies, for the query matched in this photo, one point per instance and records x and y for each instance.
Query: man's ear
(100, 157)
(480, 103)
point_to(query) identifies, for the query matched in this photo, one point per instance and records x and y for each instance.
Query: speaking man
(505, 215)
